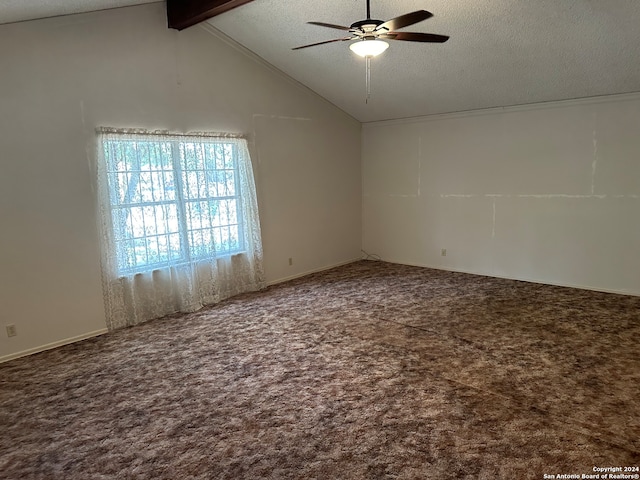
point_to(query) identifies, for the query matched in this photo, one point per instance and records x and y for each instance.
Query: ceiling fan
(370, 34)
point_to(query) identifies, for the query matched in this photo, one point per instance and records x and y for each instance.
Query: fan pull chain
(368, 77)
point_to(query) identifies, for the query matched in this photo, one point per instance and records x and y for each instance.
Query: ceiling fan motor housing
(367, 25)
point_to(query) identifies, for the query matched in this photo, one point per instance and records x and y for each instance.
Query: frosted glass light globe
(369, 48)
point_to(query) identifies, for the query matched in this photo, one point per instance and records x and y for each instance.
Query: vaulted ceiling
(21, 10)
(501, 52)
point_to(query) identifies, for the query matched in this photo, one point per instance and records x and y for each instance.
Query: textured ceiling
(20, 10)
(501, 52)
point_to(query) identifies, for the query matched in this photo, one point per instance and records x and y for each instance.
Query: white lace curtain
(178, 221)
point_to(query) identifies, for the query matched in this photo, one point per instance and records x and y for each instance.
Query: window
(178, 222)
(172, 200)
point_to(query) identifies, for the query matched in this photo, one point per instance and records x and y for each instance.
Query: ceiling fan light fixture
(369, 47)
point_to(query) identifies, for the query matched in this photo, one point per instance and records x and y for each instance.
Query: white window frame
(126, 261)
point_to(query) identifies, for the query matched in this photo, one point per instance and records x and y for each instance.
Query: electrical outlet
(443, 252)
(290, 261)
(11, 331)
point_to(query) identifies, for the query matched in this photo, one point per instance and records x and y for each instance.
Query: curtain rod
(164, 133)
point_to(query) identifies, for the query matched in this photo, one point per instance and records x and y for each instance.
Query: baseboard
(519, 279)
(102, 331)
(304, 274)
(96, 333)
(49, 346)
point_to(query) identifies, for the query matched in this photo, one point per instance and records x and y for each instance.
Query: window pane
(234, 238)
(146, 189)
(229, 156)
(219, 182)
(224, 237)
(152, 250)
(230, 182)
(175, 247)
(140, 252)
(217, 240)
(122, 181)
(169, 190)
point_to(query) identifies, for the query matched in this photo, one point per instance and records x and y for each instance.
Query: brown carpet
(367, 371)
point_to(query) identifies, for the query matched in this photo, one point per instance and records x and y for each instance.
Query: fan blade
(405, 20)
(415, 37)
(330, 25)
(322, 43)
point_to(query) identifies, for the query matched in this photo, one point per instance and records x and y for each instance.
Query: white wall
(62, 77)
(548, 193)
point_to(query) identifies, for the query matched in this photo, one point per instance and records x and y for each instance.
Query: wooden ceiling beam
(182, 14)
